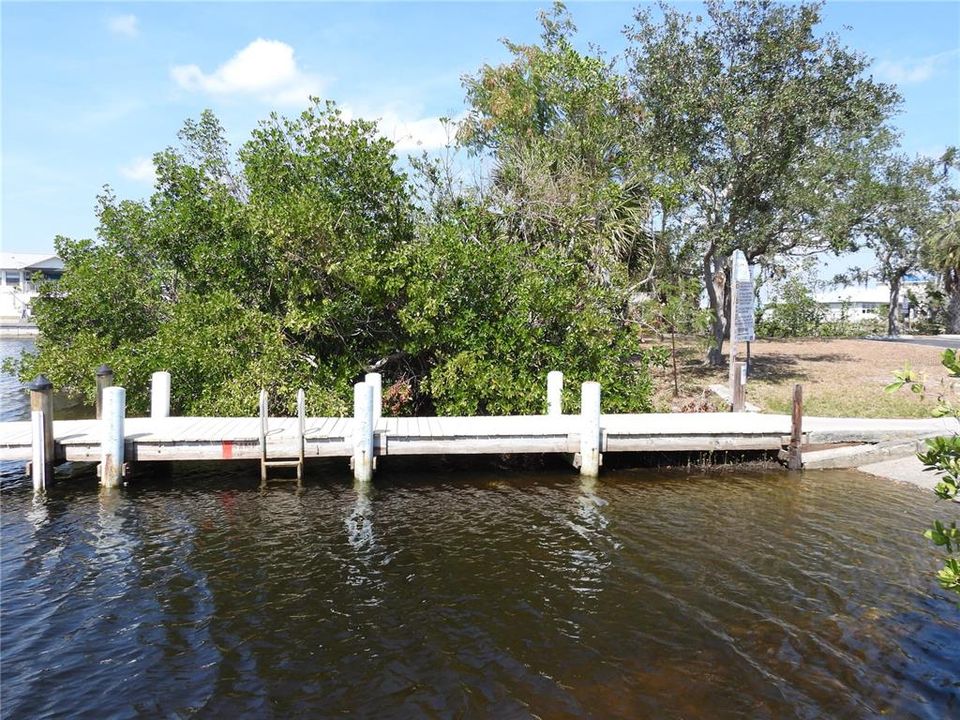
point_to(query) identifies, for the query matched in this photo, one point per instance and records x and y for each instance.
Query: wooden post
(112, 467)
(376, 382)
(362, 460)
(554, 392)
(739, 399)
(160, 395)
(302, 430)
(795, 456)
(590, 459)
(264, 407)
(41, 417)
(104, 380)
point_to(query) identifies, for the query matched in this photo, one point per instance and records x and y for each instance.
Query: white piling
(111, 448)
(590, 429)
(376, 382)
(362, 460)
(104, 378)
(554, 392)
(41, 417)
(39, 463)
(160, 395)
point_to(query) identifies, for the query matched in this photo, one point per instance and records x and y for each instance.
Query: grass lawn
(840, 378)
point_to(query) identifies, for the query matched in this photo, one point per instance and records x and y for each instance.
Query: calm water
(475, 594)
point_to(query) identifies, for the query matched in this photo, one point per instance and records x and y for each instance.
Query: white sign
(741, 269)
(745, 312)
(742, 301)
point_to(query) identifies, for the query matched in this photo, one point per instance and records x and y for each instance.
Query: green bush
(307, 264)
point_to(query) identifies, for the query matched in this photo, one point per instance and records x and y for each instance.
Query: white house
(862, 303)
(17, 289)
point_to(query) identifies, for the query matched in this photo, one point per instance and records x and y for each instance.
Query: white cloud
(410, 135)
(266, 69)
(405, 126)
(125, 25)
(910, 71)
(139, 169)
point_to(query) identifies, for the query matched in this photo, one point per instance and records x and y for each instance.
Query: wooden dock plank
(319, 427)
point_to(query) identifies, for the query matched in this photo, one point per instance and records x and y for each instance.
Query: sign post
(741, 317)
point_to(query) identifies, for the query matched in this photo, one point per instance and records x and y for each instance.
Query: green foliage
(487, 319)
(897, 196)
(940, 251)
(909, 377)
(928, 310)
(794, 313)
(302, 261)
(942, 456)
(559, 126)
(675, 310)
(758, 118)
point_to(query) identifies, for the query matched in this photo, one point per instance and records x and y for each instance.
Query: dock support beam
(554, 392)
(590, 429)
(362, 460)
(104, 380)
(112, 468)
(41, 417)
(160, 395)
(376, 382)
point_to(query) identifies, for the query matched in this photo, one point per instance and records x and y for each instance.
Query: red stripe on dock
(227, 449)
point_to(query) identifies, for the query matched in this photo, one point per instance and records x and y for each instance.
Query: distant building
(863, 303)
(17, 289)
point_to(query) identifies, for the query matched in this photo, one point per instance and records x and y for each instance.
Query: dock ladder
(265, 461)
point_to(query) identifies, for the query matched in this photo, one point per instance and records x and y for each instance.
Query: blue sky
(91, 91)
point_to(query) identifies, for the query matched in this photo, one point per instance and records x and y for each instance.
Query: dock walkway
(237, 438)
(117, 441)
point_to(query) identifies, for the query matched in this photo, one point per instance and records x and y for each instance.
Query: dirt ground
(840, 378)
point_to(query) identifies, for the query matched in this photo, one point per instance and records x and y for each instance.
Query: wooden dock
(238, 438)
(116, 441)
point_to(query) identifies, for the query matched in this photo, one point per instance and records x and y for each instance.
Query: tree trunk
(952, 287)
(893, 310)
(714, 278)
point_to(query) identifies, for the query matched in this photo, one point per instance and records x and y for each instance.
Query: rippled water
(475, 594)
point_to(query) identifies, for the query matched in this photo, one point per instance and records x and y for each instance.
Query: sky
(91, 90)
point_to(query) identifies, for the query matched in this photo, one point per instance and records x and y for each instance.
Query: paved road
(941, 341)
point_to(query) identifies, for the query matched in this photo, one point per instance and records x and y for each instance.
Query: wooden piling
(112, 467)
(264, 408)
(795, 456)
(301, 431)
(41, 415)
(376, 382)
(590, 459)
(104, 380)
(362, 460)
(554, 392)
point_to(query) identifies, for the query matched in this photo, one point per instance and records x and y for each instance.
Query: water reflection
(114, 544)
(589, 558)
(39, 513)
(479, 596)
(360, 521)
